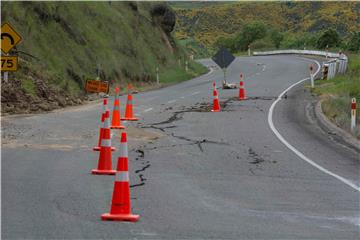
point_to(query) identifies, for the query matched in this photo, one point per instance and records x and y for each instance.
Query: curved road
(194, 174)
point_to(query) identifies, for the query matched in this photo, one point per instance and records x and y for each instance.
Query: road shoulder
(341, 135)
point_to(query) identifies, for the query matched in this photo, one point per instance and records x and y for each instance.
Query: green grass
(72, 38)
(337, 94)
(29, 87)
(178, 74)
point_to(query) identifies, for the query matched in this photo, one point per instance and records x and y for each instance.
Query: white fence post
(353, 115)
(157, 76)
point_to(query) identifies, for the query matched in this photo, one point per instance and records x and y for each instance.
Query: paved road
(203, 175)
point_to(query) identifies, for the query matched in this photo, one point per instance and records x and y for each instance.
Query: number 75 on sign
(9, 63)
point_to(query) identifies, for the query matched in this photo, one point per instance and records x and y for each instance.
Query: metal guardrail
(336, 65)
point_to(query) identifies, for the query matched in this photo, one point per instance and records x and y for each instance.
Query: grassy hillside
(65, 43)
(204, 23)
(337, 94)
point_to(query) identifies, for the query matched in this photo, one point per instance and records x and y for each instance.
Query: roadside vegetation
(267, 26)
(337, 93)
(65, 43)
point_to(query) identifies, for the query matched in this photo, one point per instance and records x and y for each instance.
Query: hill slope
(65, 43)
(205, 23)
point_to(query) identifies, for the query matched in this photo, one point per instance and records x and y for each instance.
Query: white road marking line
(147, 110)
(195, 93)
(171, 101)
(182, 97)
(292, 148)
(211, 70)
(264, 68)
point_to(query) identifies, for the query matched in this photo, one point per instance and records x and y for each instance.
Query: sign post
(157, 76)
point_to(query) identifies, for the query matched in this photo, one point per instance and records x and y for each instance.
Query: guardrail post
(311, 68)
(353, 115)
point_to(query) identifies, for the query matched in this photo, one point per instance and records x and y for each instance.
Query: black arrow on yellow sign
(3, 35)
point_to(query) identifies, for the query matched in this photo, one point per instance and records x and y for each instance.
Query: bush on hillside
(276, 37)
(354, 42)
(329, 38)
(262, 44)
(250, 33)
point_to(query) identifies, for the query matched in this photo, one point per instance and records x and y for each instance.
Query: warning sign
(9, 37)
(9, 63)
(96, 86)
(223, 58)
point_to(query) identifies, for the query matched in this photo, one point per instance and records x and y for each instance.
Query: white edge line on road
(292, 148)
(171, 101)
(148, 110)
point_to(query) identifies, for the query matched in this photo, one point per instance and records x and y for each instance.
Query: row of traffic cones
(120, 209)
(242, 96)
(116, 115)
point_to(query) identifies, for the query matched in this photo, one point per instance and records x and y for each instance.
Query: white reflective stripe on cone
(122, 176)
(106, 142)
(107, 123)
(123, 150)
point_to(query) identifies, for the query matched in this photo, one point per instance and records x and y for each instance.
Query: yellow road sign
(96, 86)
(9, 38)
(9, 63)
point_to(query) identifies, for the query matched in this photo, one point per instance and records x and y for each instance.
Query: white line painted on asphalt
(195, 93)
(148, 110)
(292, 148)
(171, 101)
(182, 97)
(211, 70)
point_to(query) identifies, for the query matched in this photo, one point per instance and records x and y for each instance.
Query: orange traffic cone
(115, 121)
(242, 91)
(97, 148)
(105, 157)
(129, 115)
(216, 105)
(120, 207)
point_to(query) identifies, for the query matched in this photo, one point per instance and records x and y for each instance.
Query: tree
(329, 38)
(276, 37)
(354, 42)
(223, 42)
(251, 32)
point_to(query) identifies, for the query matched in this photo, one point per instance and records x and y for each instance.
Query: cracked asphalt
(194, 174)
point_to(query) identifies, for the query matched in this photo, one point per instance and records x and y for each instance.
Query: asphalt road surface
(194, 174)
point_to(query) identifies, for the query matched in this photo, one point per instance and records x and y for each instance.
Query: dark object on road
(229, 85)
